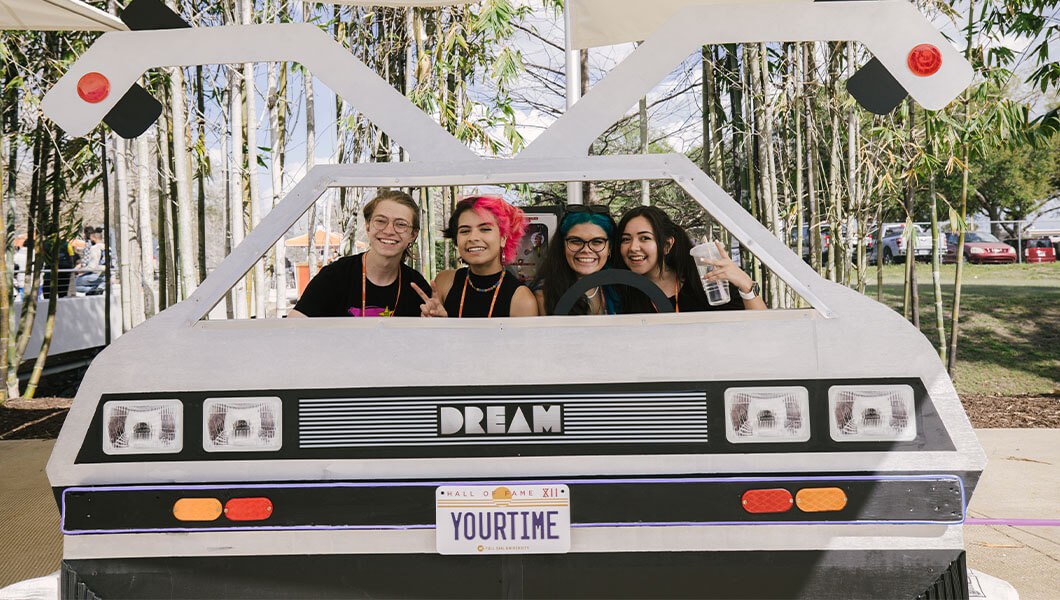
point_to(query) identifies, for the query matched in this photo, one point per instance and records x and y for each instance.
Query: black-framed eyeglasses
(380, 223)
(575, 244)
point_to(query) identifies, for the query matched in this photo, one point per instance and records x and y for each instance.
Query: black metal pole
(106, 241)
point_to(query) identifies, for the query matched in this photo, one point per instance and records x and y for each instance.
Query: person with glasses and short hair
(582, 246)
(376, 283)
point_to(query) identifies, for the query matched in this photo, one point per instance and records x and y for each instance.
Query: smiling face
(478, 239)
(390, 229)
(639, 247)
(594, 248)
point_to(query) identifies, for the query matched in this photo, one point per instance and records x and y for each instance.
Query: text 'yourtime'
(500, 419)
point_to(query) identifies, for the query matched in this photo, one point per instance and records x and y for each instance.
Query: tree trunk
(955, 320)
(854, 189)
(912, 293)
(310, 153)
(277, 141)
(256, 209)
(53, 297)
(200, 169)
(146, 237)
(814, 229)
(36, 214)
(184, 248)
(936, 275)
(5, 281)
(121, 180)
(834, 212)
(797, 107)
(235, 188)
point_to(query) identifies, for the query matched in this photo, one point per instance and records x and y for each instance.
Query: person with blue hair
(582, 246)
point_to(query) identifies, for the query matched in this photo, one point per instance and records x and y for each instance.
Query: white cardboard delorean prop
(820, 452)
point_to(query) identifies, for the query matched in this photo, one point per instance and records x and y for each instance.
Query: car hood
(990, 246)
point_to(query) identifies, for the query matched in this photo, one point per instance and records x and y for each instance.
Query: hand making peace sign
(432, 306)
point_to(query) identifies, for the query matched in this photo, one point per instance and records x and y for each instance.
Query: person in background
(652, 245)
(93, 265)
(487, 231)
(375, 283)
(20, 270)
(582, 246)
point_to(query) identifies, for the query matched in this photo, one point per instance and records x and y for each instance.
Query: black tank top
(476, 303)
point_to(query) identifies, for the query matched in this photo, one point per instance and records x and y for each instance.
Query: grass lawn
(1010, 324)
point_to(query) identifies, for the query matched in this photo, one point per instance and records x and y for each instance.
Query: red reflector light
(767, 501)
(925, 60)
(93, 87)
(248, 509)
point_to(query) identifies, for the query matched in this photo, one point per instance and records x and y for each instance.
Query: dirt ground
(43, 417)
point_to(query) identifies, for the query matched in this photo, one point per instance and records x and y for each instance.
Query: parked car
(894, 243)
(980, 247)
(1039, 251)
(826, 241)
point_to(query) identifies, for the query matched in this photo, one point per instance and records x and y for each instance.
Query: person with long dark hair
(582, 246)
(652, 245)
(487, 231)
(376, 283)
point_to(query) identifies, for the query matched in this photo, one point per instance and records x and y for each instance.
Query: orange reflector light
(821, 499)
(248, 509)
(93, 87)
(925, 60)
(197, 509)
(767, 501)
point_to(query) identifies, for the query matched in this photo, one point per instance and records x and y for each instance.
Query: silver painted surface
(124, 56)
(888, 28)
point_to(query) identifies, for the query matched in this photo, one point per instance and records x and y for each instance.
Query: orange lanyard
(493, 302)
(364, 285)
(677, 298)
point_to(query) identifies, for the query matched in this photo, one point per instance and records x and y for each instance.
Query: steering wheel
(613, 277)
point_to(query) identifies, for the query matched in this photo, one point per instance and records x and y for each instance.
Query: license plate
(502, 519)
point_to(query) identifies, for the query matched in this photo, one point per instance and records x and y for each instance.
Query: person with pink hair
(487, 231)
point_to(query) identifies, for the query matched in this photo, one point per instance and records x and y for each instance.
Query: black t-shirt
(476, 303)
(635, 301)
(336, 292)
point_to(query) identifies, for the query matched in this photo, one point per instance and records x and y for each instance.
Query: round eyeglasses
(400, 225)
(575, 244)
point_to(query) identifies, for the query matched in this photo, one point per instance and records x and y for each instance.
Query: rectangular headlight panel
(872, 413)
(143, 427)
(242, 424)
(767, 414)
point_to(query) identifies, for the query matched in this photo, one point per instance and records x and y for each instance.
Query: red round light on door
(93, 87)
(925, 60)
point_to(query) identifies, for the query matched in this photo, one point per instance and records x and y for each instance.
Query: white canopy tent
(56, 15)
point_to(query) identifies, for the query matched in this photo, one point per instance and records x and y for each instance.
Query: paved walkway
(30, 543)
(1022, 481)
